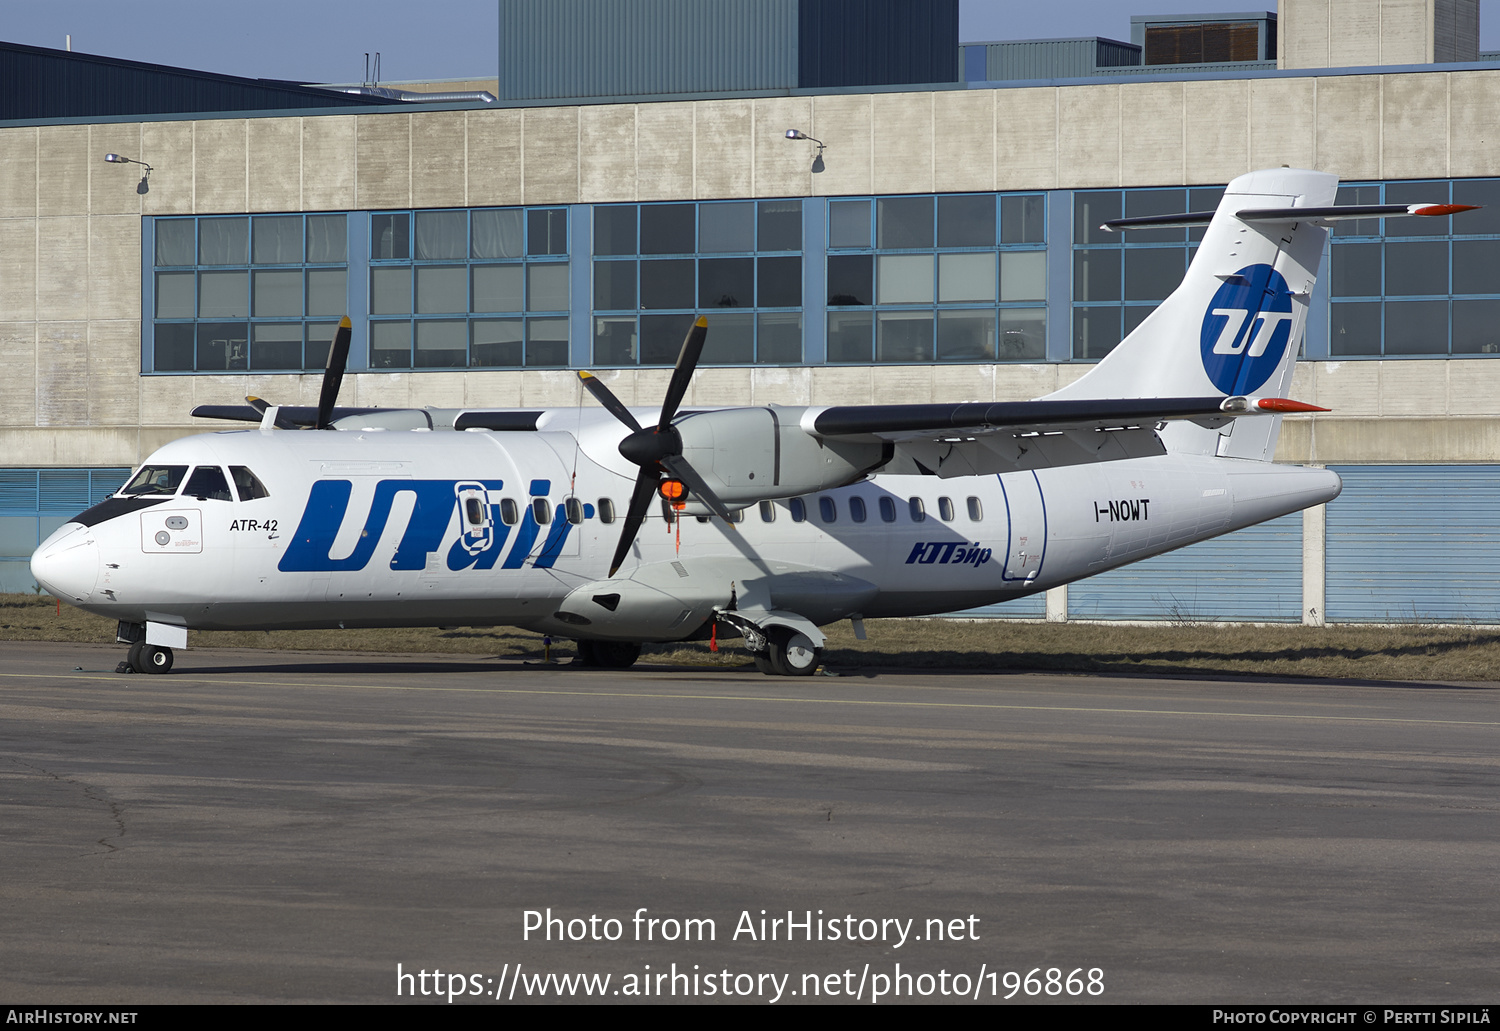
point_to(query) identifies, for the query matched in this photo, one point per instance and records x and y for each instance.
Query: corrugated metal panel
(63, 490)
(18, 492)
(1033, 606)
(562, 49)
(1114, 54)
(69, 491)
(1048, 58)
(104, 482)
(876, 42)
(1254, 574)
(1415, 543)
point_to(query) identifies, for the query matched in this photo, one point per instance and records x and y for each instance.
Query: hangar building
(931, 239)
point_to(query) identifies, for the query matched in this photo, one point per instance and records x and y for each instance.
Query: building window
(953, 277)
(1120, 278)
(1417, 286)
(480, 288)
(247, 293)
(658, 266)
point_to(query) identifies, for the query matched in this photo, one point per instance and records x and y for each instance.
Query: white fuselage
(390, 528)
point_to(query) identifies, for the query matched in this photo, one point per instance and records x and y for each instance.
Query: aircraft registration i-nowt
(761, 523)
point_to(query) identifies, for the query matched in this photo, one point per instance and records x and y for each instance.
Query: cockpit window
(156, 479)
(208, 483)
(247, 483)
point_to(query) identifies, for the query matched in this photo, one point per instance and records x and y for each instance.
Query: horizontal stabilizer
(1326, 213)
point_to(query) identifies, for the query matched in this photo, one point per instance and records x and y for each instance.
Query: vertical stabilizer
(1234, 326)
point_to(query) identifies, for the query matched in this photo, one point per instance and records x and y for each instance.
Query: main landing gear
(608, 654)
(789, 653)
(146, 658)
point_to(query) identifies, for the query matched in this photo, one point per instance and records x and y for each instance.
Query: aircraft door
(1026, 516)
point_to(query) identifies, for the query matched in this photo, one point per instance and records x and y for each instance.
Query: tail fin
(1234, 326)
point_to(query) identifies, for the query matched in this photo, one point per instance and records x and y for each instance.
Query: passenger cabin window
(574, 508)
(918, 510)
(510, 514)
(768, 511)
(857, 509)
(473, 511)
(208, 484)
(799, 510)
(737, 515)
(247, 484)
(606, 510)
(156, 479)
(945, 509)
(828, 510)
(888, 510)
(541, 511)
(976, 511)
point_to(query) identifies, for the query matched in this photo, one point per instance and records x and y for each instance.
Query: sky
(326, 40)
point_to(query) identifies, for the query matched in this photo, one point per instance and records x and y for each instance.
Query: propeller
(333, 377)
(333, 374)
(657, 449)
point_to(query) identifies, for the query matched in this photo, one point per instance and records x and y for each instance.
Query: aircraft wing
(287, 416)
(984, 438)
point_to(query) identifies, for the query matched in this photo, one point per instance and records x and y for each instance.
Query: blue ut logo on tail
(1246, 329)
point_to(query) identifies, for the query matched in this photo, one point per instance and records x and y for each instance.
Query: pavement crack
(93, 794)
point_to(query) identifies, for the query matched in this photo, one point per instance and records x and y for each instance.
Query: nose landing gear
(146, 658)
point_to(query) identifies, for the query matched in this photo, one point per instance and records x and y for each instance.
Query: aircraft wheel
(616, 654)
(587, 656)
(792, 652)
(133, 657)
(154, 659)
(763, 663)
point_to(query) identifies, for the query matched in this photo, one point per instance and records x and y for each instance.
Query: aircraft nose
(67, 563)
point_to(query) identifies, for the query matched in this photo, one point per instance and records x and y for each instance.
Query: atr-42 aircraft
(760, 523)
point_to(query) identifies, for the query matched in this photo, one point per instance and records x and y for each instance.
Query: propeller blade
(679, 467)
(261, 406)
(606, 398)
(640, 501)
(333, 374)
(653, 449)
(682, 374)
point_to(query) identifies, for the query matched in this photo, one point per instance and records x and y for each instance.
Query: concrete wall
(1360, 33)
(70, 229)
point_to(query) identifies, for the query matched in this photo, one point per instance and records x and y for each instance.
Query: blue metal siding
(1415, 544)
(1033, 606)
(876, 42)
(33, 503)
(607, 48)
(1254, 574)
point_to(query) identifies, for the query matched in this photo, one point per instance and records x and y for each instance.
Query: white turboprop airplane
(773, 521)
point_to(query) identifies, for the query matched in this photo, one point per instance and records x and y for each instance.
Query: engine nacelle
(748, 455)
